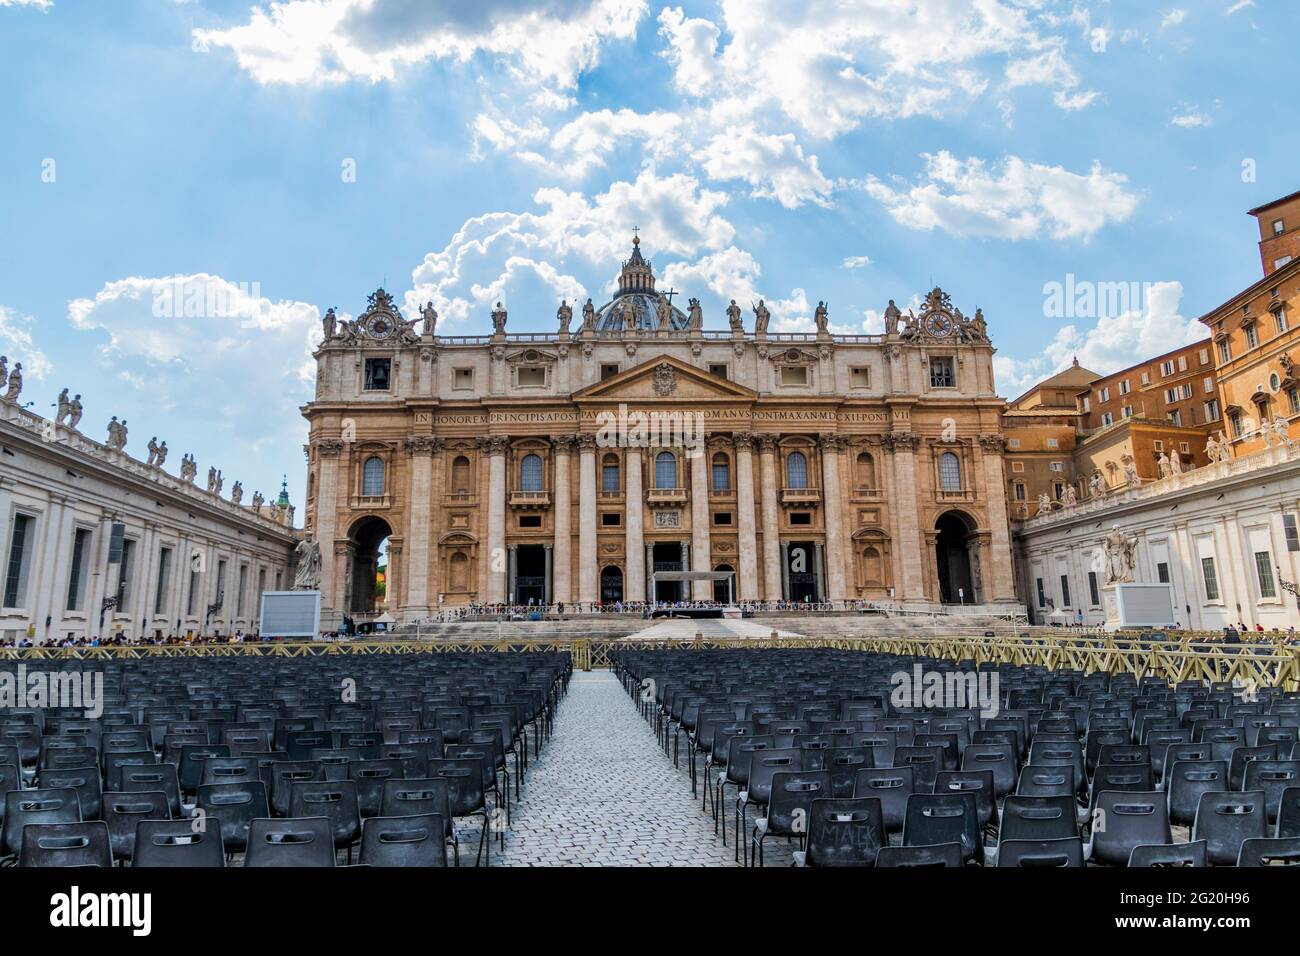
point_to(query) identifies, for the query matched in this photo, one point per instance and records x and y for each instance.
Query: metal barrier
(1183, 658)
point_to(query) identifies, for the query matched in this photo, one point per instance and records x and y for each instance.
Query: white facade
(60, 496)
(1224, 536)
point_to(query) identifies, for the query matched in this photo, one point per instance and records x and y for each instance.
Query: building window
(530, 521)
(722, 517)
(1279, 319)
(1020, 491)
(860, 377)
(794, 375)
(1013, 442)
(377, 372)
(532, 376)
(941, 373)
(949, 472)
(665, 470)
(1167, 368)
(191, 599)
(164, 579)
(1103, 396)
(796, 470)
(1293, 400)
(1292, 538)
(1279, 227)
(126, 576)
(609, 475)
(1127, 411)
(1252, 337)
(1225, 352)
(1124, 387)
(1087, 404)
(866, 471)
(1017, 467)
(608, 370)
(530, 473)
(1211, 410)
(1207, 384)
(1065, 590)
(610, 519)
(1162, 572)
(1205, 356)
(1264, 568)
(1094, 595)
(1042, 596)
(372, 477)
(1211, 579)
(1107, 419)
(1279, 263)
(1176, 417)
(800, 517)
(460, 476)
(80, 570)
(721, 473)
(718, 370)
(1234, 423)
(1053, 443)
(462, 378)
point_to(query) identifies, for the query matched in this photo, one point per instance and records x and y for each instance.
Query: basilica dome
(637, 304)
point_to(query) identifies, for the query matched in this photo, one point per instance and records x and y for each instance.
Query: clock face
(939, 324)
(380, 327)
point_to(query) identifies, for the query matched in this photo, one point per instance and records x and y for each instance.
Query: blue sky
(288, 157)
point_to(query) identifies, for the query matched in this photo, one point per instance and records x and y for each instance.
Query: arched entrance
(368, 588)
(611, 585)
(722, 590)
(952, 558)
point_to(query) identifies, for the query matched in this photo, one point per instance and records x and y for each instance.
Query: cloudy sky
(285, 157)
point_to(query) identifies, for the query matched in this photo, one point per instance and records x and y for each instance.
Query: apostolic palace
(599, 462)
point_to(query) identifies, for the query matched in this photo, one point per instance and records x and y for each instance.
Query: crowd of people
(119, 640)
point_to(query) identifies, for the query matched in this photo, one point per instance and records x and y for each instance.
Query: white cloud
(775, 166)
(1111, 344)
(1189, 117)
(1174, 17)
(730, 273)
(330, 41)
(1020, 201)
(677, 217)
(1238, 6)
(856, 262)
(207, 356)
(39, 5)
(586, 142)
(17, 343)
(692, 48)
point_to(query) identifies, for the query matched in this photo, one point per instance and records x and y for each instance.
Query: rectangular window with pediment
(794, 375)
(531, 376)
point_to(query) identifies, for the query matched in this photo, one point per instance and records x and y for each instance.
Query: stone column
(649, 571)
(495, 447)
(747, 584)
(45, 597)
(819, 563)
(562, 566)
(831, 500)
(588, 573)
(546, 580)
(701, 553)
(773, 566)
(101, 580)
(634, 544)
(785, 572)
(512, 582)
(909, 529)
(419, 501)
(999, 578)
(333, 572)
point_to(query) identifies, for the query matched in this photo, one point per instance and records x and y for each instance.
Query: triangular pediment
(664, 379)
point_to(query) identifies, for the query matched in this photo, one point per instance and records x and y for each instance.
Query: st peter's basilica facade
(591, 464)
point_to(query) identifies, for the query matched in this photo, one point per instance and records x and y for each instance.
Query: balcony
(666, 497)
(461, 499)
(800, 497)
(866, 491)
(530, 500)
(371, 502)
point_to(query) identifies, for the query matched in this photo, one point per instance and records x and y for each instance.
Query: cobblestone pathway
(604, 794)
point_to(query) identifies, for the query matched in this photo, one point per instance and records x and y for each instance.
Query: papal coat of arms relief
(665, 380)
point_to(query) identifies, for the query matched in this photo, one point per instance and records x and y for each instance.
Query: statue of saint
(822, 317)
(114, 434)
(565, 315)
(892, 317)
(74, 411)
(162, 454)
(588, 316)
(258, 501)
(1163, 464)
(153, 451)
(64, 407)
(981, 327)
(695, 315)
(1121, 556)
(330, 324)
(499, 320)
(212, 478)
(1070, 497)
(1097, 484)
(1044, 504)
(237, 493)
(15, 383)
(430, 316)
(1175, 464)
(665, 310)
(734, 320)
(761, 317)
(307, 575)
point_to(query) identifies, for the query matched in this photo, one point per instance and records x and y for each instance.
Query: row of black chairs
(1108, 765)
(270, 760)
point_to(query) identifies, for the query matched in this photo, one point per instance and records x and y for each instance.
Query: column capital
(563, 443)
(829, 442)
(767, 443)
(329, 447)
(587, 442)
(899, 441)
(494, 444)
(744, 441)
(424, 445)
(992, 444)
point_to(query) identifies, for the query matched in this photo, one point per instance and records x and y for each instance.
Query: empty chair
(1035, 819)
(236, 805)
(336, 801)
(891, 786)
(945, 854)
(229, 770)
(925, 763)
(1288, 813)
(1262, 851)
(466, 797)
(844, 764)
(1046, 782)
(1122, 820)
(1243, 757)
(1274, 777)
(284, 775)
(123, 813)
(295, 842)
(1186, 781)
(135, 779)
(978, 782)
(1225, 820)
(1127, 777)
(84, 780)
(934, 818)
(843, 832)
(40, 805)
(179, 843)
(1065, 852)
(66, 844)
(1000, 759)
(370, 777)
(789, 803)
(1170, 854)
(190, 770)
(411, 840)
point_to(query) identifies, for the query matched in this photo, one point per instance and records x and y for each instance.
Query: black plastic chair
(892, 786)
(466, 797)
(1274, 777)
(1226, 820)
(1169, 855)
(336, 801)
(1065, 852)
(179, 844)
(1122, 820)
(26, 807)
(413, 840)
(236, 805)
(934, 818)
(66, 844)
(1185, 783)
(843, 832)
(788, 806)
(283, 777)
(1288, 813)
(294, 842)
(942, 855)
(84, 780)
(123, 813)
(1257, 851)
